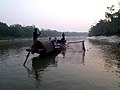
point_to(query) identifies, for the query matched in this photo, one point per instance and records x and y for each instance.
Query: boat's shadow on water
(39, 64)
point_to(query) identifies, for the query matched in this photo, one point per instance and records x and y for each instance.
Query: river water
(98, 68)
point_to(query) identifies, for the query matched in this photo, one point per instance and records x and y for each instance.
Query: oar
(26, 58)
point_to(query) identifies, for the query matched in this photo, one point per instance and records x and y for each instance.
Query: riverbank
(112, 39)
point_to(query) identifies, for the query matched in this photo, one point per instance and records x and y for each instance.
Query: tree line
(19, 31)
(109, 26)
(15, 31)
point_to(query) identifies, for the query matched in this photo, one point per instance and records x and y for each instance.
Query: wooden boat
(45, 47)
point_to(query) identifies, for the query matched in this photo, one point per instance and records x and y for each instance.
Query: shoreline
(15, 39)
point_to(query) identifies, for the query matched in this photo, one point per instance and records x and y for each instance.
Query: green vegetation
(19, 31)
(15, 31)
(109, 26)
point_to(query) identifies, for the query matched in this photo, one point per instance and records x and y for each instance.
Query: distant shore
(14, 39)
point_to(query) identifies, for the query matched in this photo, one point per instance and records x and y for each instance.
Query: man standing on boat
(63, 36)
(35, 35)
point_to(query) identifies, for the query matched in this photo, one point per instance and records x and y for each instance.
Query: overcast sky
(60, 15)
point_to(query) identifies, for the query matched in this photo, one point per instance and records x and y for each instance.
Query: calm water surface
(98, 68)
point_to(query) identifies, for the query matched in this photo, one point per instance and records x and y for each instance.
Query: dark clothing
(35, 35)
(63, 36)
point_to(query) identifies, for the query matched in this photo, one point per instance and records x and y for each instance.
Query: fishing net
(74, 53)
(77, 46)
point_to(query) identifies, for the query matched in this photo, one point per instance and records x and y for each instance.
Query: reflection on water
(75, 53)
(39, 64)
(111, 55)
(98, 68)
(6, 47)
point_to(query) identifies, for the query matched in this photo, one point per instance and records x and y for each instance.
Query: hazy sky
(61, 15)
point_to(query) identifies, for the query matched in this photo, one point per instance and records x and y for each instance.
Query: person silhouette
(63, 36)
(35, 34)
